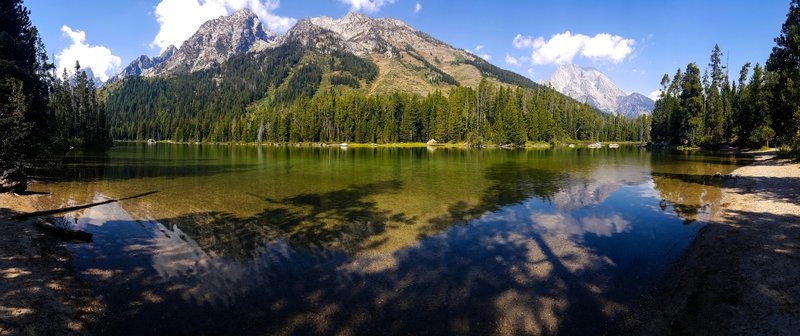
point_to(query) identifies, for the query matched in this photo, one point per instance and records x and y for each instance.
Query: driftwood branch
(25, 216)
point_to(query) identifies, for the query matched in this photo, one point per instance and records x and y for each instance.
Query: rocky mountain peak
(360, 34)
(354, 17)
(215, 42)
(167, 53)
(593, 87)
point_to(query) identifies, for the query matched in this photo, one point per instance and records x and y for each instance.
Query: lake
(233, 239)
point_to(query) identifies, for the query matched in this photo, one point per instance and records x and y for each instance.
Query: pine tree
(715, 107)
(23, 95)
(757, 101)
(784, 64)
(691, 107)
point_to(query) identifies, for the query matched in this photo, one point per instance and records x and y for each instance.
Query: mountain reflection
(506, 269)
(396, 242)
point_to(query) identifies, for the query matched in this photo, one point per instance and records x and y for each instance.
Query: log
(64, 232)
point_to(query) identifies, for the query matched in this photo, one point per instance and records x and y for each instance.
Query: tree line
(79, 117)
(296, 94)
(490, 113)
(760, 108)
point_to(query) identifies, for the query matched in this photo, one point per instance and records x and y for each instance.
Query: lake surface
(276, 240)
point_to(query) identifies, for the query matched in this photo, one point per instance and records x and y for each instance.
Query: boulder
(14, 180)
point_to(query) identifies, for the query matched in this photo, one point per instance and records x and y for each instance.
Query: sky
(633, 42)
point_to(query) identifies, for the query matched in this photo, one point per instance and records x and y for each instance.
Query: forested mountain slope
(352, 79)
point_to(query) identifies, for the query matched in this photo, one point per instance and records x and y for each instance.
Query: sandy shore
(39, 294)
(740, 276)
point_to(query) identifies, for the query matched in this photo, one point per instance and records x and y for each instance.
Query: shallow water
(277, 240)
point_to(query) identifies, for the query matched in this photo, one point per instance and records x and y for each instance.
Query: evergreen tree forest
(23, 95)
(760, 108)
(39, 114)
(79, 117)
(294, 94)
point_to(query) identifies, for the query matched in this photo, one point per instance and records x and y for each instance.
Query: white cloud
(522, 41)
(479, 47)
(99, 58)
(654, 95)
(180, 19)
(486, 57)
(417, 8)
(511, 60)
(369, 6)
(563, 47)
(530, 72)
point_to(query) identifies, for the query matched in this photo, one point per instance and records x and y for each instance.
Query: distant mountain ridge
(593, 87)
(408, 60)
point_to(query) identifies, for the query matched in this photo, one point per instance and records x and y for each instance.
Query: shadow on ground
(739, 275)
(39, 294)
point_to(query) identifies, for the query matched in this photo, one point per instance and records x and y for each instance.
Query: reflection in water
(395, 242)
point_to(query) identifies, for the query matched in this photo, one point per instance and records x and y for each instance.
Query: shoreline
(739, 275)
(39, 292)
(462, 145)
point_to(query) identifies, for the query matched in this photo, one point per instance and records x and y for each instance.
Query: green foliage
(784, 79)
(345, 80)
(501, 115)
(24, 117)
(505, 76)
(358, 67)
(304, 82)
(80, 119)
(210, 105)
(751, 114)
(691, 107)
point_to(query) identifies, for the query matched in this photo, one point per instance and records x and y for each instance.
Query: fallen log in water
(25, 216)
(62, 232)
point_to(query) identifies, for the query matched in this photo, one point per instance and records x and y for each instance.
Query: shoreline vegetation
(527, 145)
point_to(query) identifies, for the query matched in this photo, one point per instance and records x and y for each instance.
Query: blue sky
(633, 42)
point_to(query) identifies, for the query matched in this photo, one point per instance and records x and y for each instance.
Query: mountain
(217, 41)
(143, 63)
(406, 57)
(593, 87)
(635, 104)
(214, 43)
(356, 78)
(73, 78)
(407, 60)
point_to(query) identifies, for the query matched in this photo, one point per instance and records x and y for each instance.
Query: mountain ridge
(595, 88)
(409, 60)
